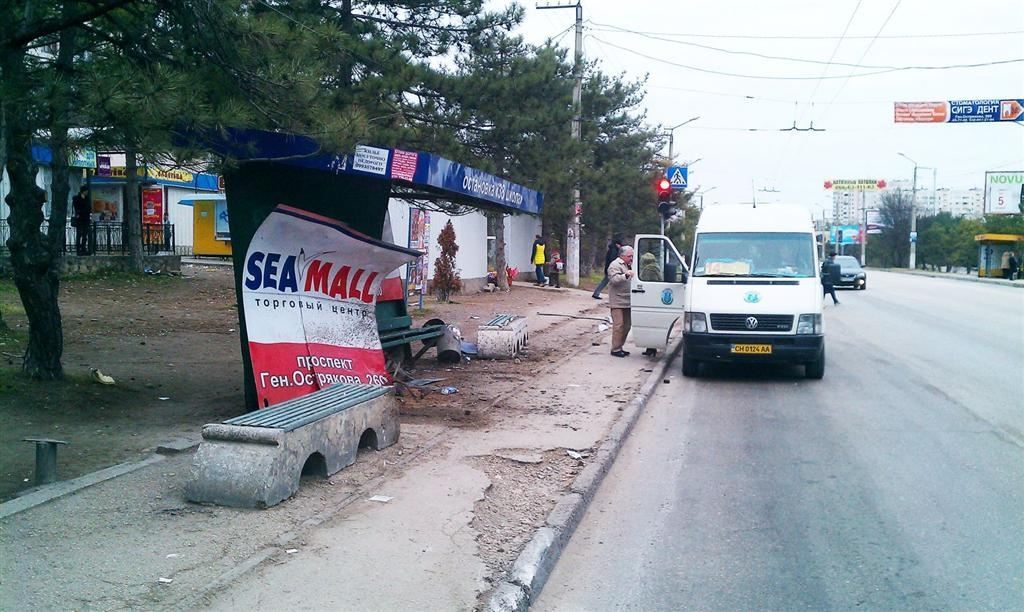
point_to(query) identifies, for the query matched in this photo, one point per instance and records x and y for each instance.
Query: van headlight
(809, 324)
(695, 322)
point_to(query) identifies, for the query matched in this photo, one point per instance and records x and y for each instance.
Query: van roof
(763, 218)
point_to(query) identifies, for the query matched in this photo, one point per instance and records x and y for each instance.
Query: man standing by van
(830, 273)
(619, 274)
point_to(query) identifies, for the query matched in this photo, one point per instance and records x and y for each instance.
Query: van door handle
(639, 291)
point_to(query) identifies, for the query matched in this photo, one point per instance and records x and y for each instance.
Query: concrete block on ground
(502, 337)
(257, 467)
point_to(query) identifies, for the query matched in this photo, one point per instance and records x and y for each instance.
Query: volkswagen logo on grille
(751, 323)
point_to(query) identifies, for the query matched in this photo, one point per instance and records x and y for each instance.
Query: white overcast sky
(861, 140)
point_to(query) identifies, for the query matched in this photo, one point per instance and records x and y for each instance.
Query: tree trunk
(33, 262)
(500, 260)
(133, 210)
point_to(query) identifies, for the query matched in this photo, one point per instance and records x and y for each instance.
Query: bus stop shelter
(993, 249)
(289, 182)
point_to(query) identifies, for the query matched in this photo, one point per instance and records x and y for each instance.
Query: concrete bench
(502, 337)
(257, 460)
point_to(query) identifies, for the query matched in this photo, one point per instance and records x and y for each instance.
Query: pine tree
(446, 278)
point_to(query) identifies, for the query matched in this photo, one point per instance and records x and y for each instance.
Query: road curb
(534, 564)
(997, 282)
(67, 487)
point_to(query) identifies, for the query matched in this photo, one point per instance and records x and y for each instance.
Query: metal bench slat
(300, 411)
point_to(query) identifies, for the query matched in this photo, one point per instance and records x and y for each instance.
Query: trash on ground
(469, 348)
(163, 399)
(602, 327)
(572, 385)
(665, 381)
(291, 551)
(573, 454)
(165, 580)
(381, 498)
(422, 382)
(102, 378)
(449, 390)
(172, 556)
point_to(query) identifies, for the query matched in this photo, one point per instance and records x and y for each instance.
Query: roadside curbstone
(536, 561)
(534, 564)
(566, 512)
(508, 597)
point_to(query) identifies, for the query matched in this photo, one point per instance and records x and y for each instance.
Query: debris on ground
(383, 499)
(102, 378)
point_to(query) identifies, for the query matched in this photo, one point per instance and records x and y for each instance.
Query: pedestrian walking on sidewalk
(619, 274)
(81, 220)
(537, 258)
(609, 257)
(830, 273)
(1004, 264)
(1014, 266)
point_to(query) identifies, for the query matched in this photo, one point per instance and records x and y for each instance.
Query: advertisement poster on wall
(309, 290)
(419, 239)
(152, 206)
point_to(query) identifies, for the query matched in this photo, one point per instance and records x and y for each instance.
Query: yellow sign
(176, 175)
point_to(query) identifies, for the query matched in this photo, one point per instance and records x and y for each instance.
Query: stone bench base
(258, 467)
(502, 338)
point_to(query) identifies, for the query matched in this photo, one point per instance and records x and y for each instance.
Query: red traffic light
(664, 185)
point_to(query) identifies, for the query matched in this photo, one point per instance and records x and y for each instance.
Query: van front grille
(764, 322)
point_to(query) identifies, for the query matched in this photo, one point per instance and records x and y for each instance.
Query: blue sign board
(415, 168)
(978, 111)
(677, 175)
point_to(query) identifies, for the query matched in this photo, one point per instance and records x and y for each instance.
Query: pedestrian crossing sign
(677, 176)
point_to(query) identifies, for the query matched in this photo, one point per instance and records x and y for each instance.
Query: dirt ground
(171, 344)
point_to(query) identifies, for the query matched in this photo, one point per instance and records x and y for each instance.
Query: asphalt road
(897, 482)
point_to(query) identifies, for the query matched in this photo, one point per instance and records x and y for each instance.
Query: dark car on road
(851, 274)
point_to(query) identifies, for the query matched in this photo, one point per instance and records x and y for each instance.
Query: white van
(752, 292)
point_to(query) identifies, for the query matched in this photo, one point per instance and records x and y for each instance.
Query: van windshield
(761, 254)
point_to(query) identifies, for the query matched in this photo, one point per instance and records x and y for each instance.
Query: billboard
(309, 288)
(855, 184)
(959, 111)
(1004, 193)
(850, 234)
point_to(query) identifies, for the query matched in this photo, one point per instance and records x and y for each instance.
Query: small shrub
(446, 279)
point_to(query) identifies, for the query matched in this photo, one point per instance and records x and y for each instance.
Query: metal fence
(108, 237)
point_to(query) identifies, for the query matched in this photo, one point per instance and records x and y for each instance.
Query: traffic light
(664, 188)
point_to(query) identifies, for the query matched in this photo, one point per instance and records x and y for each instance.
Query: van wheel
(816, 369)
(691, 367)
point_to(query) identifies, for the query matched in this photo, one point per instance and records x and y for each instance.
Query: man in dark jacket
(81, 220)
(830, 273)
(609, 257)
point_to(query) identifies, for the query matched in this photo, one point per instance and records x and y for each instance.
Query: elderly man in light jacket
(619, 274)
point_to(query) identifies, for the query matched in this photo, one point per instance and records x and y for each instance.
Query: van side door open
(656, 290)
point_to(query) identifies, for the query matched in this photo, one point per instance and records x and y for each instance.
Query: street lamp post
(701, 194)
(913, 216)
(671, 136)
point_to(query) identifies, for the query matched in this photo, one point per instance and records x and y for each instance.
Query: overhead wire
(818, 37)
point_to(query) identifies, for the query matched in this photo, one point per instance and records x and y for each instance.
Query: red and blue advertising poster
(309, 288)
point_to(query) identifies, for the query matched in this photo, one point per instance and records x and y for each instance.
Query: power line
(807, 78)
(811, 37)
(862, 56)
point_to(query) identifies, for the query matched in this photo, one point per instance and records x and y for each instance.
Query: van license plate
(752, 349)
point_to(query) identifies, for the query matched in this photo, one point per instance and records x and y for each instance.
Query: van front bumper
(784, 348)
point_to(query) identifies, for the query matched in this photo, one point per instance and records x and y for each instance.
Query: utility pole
(572, 246)
(913, 216)
(864, 231)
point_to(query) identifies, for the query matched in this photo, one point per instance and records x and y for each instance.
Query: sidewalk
(954, 276)
(467, 494)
